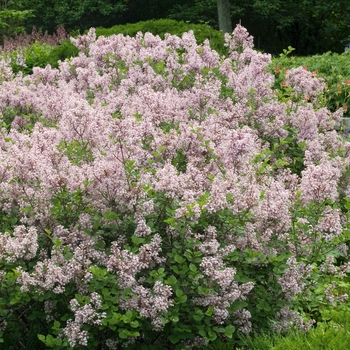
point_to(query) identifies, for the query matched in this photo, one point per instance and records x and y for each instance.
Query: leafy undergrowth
(333, 334)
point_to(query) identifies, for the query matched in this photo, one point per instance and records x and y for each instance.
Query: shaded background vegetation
(310, 26)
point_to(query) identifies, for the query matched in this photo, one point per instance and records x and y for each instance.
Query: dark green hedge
(162, 26)
(156, 27)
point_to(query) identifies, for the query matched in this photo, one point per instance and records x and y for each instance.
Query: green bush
(332, 67)
(34, 55)
(59, 53)
(162, 26)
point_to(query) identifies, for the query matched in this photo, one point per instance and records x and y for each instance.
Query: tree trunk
(224, 14)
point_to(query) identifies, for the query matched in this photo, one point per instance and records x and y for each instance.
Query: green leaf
(179, 259)
(237, 305)
(229, 330)
(123, 333)
(175, 268)
(209, 311)
(137, 240)
(171, 280)
(57, 341)
(68, 255)
(41, 337)
(178, 293)
(174, 338)
(211, 335)
(50, 340)
(56, 241)
(202, 333)
(134, 334)
(193, 267)
(134, 324)
(182, 299)
(263, 305)
(174, 319)
(197, 318)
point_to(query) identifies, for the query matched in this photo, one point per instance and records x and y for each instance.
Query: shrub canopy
(153, 192)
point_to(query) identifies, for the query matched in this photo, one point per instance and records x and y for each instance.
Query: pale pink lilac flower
(304, 83)
(292, 281)
(319, 182)
(23, 244)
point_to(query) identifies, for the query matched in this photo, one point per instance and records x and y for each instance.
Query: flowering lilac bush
(155, 193)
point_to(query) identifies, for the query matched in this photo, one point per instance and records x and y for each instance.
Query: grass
(333, 334)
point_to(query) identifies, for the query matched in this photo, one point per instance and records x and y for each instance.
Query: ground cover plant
(330, 335)
(158, 195)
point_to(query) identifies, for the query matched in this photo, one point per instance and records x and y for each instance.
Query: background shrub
(334, 68)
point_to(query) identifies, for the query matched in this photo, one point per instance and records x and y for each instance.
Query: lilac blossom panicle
(22, 244)
(292, 281)
(240, 37)
(303, 83)
(85, 314)
(319, 182)
(83, 42)
(288, 319)
(5, 69)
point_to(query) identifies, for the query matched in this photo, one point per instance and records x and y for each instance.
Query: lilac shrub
(156, 194)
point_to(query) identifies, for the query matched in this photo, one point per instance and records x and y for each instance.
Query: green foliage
(67, 206)
(25, 118)
(79, 15)
(12, 22)
(40, 55)
(61, 52)
(331, 335)
(35, 55)
(333, 68)
(78, 152)
(13, 18)
(19, 313)
(197, 11)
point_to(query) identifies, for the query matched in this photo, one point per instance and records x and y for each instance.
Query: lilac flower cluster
(21, 245)
(85, 314)
(292, 280)
(303, 82)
